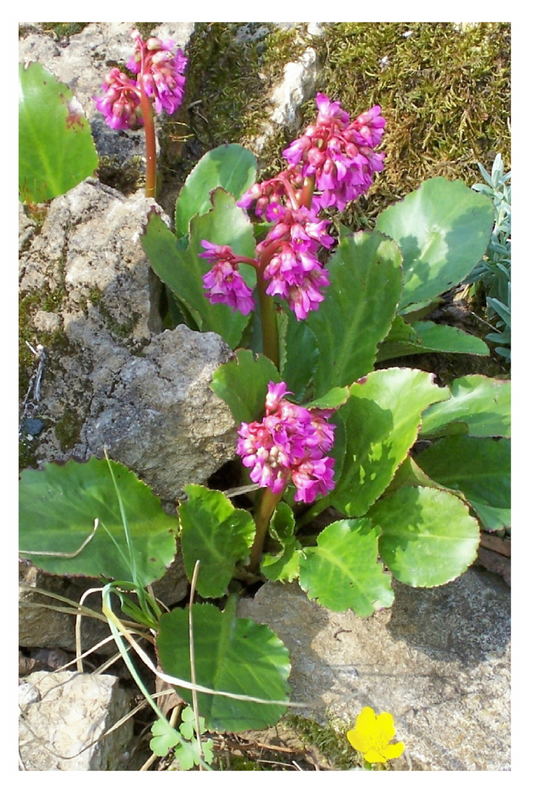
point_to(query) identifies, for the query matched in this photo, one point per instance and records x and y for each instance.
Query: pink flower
(159, 72)
(120, 102)
(339, 153)
(289, 443)
(223, 282)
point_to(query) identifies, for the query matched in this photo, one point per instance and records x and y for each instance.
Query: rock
(438, 660)
(63, 716)
(297, 86)
(82, 62)
(41, 627)
(112, 378)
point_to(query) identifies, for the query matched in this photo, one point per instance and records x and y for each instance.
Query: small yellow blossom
(371, 735)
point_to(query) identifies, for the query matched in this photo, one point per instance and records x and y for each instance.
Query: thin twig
(77, 628)
(73, 554)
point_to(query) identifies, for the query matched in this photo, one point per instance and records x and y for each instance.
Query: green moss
(68, 428)
(445, 94)
(62, 30)
(332, 745)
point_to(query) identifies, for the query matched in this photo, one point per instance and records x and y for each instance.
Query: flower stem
(265, 508)
(306, 194)
(149, 133)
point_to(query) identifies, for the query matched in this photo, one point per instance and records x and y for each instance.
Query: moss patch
(68, 429)
(332, 745)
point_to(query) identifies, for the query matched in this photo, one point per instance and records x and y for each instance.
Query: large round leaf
(358, 309)
(56, 148)
(479, 468)
(58, 508)
(343, 572)
(231, 655)
(443, 229)
(482, 403)
(216, 534)
(428, 538)
(381, 419)
(230, 166)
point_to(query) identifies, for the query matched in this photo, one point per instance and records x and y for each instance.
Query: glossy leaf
(298, 354)
(230, 166)
(232, 655)
(428, 337)
(358, 308)
(342, 572)
(428, 536)
(443, 229)
(283, 565)
(242, 383)
(482, 403)
(58, 508)
(479, 468)
(216, 534)
(56, 148)
(381, 419)
(178, 264)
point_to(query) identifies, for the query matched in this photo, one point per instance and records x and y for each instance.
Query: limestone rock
(62, 717)
(112, 377)
(438, 660)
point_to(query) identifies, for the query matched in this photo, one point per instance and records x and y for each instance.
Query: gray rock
(112, 378)
(297, 86)
(438, 661)
(41, 627)
(83, 63)
(64, 714)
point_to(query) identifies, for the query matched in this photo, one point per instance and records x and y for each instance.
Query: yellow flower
(371, 735)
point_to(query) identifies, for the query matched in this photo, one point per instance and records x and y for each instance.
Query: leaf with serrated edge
(58, 507)
(381, 418)
(443, 229)
(232, 655)
(342, 572)
(216, 534)
(483, 403)
(358, 309)
(428, 536)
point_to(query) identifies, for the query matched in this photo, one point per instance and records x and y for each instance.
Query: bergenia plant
(352, 473)
(129, 102)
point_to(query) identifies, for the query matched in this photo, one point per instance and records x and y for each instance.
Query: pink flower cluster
(159, 69)
(339, 153)
(223, 282)
(294, 271)
(289, 443)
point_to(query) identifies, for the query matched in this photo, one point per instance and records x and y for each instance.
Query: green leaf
(298, 354)
(232, 655)
(230, 166)
(242, 384)
(428, 337)
(443, 229)
(479, 468)
(178, 264)
(216, 534)
(343, 572)
(335, 398)
(381, 420)
(58, 508)
(484, 404)
(358, 308)
(428, 537)
(56, 148)
(285, 564)
(164, 737)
